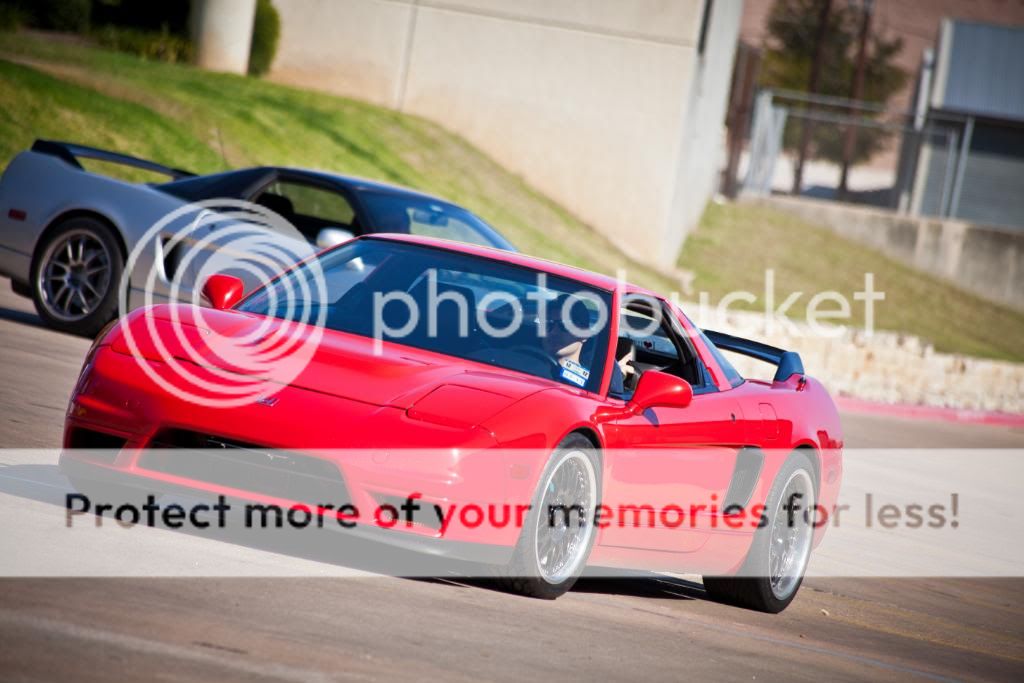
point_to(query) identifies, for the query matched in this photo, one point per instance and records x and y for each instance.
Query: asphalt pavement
(308, 627)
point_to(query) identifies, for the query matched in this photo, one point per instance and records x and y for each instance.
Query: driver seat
(279, 204)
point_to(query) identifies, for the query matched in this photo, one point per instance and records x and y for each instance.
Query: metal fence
(854, 151)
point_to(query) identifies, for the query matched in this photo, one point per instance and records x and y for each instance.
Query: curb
(847, 404)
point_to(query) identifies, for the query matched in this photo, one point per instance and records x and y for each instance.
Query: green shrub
(266, 29)
(144, 15)
(161, 46)
(61, 15)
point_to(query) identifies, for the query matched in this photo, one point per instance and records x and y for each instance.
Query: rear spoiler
(70, 153)
(788, 363)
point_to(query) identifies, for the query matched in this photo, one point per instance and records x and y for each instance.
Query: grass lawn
(208, 122)
(737, 242)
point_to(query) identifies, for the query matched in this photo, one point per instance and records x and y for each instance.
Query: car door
(668, 468)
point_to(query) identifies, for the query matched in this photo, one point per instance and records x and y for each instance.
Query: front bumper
(78, 470)
(117, 408)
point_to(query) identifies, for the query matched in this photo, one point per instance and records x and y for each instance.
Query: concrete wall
(604, 105)
(985, 260)
(702, 147)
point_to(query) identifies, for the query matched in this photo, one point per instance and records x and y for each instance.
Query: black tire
(523, 574)
(753, 587)
(84, 314)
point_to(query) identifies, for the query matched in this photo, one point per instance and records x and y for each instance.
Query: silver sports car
(66, 234)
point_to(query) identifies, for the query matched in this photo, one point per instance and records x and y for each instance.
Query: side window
(649, 334)
(649, 340)
(308, 207)
(731, 374)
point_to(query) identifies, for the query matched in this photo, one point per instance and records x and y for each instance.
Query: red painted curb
(848, 404)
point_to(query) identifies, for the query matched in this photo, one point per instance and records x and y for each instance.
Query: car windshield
(414, 215)
(457, 304)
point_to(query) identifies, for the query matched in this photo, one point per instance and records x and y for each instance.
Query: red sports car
(409, 370)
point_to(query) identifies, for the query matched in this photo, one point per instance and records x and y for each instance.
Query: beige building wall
(604, 105)
(702, 145)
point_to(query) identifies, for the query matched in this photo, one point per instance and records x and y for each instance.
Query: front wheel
(775, 565)
(75, 276)
(559, 531)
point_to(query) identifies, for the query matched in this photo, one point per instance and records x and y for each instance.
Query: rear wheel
(775, 566)
(75, 276)
(559, 531)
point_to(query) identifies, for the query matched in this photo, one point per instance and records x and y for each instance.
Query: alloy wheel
(792, 531)
(564, 523)
(75, 275)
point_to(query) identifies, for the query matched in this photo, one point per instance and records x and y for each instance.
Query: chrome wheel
(564, 523)
(75, 275)
(789, 545)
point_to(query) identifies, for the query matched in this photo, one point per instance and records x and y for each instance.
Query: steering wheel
(554, 369)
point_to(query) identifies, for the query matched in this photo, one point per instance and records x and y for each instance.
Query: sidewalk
(847, 404)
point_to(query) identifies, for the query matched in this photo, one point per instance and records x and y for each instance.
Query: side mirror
(328, 237)
(660, 389)
(223, 291)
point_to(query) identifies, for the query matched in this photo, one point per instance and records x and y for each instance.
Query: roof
(978, 70)
(366, 184)
(543, 265)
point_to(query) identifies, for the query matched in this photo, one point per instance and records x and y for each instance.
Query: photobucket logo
(210, 362)
(821, 314)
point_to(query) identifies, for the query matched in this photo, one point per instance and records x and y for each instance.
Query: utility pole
(850, 141)
(812, 89)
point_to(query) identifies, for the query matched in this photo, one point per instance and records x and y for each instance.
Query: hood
(431, 386)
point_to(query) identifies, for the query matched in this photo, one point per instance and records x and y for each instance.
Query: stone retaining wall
(884, 366)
